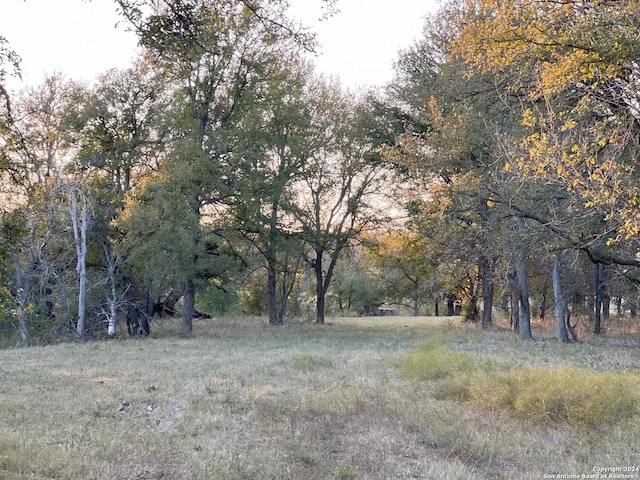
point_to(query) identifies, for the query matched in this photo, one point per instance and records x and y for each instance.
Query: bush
(218, 301)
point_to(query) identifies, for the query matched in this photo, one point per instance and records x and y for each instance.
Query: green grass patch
(432, 361)
(309, 362)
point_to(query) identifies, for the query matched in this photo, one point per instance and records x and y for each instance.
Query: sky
(81, 38)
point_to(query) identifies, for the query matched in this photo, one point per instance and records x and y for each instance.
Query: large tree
(345, 189)
(120, 130)
(573, 65)
(451, 145)
(220, 62)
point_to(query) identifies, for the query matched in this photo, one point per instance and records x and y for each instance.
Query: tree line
(221, 172)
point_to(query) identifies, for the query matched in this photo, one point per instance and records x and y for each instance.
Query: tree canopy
(496, 171)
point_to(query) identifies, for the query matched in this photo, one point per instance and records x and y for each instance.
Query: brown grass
(242, 400)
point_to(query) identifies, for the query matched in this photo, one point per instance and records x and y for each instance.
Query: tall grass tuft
(431, 361)
(571, 395)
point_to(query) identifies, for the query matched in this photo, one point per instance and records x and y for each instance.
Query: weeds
(356, 399)
(571, 395)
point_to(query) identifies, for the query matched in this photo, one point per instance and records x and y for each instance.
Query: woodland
(221, 174)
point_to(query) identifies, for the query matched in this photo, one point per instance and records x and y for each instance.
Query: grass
(357, 399)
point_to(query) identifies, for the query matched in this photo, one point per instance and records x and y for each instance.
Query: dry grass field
(366, 398)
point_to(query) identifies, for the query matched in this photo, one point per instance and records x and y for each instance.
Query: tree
(573, 65)
(79, 225)
(32, 152)
(270, 15)
(450, 146)
(9, 65)
(215, 56)
(407, 268)
(343, 192)
(279, 136)
(120, 131)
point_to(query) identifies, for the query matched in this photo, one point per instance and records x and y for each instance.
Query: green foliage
(219, 301)
(253, 296)
(358, 292)
(570, 395)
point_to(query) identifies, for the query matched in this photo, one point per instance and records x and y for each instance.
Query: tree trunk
(272, 293)
(559, 298)
(132, 309)
(487, 292)
(113, 295)
(436, 308)
(323, 280)
(514, 294)
(80, 237)
(451, 305)
(287, 287)
(521, 275)
(472, 307)
(24, 291)
(606, 306)
(525, 308)
(320, 291)
(188, 306)
(543, 303)
(600, 281)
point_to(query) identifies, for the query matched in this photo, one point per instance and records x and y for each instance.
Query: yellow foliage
(529, 119)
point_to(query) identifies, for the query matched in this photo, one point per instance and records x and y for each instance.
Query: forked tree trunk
(525, 308)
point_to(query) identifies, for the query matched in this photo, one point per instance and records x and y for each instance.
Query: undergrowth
(571, 395)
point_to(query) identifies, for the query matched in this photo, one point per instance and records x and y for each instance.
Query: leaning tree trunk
(559, 298)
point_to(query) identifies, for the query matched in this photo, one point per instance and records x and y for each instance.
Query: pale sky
(80, 39)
